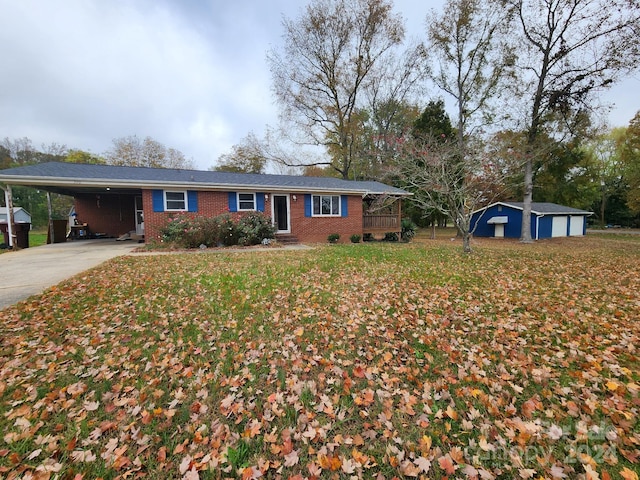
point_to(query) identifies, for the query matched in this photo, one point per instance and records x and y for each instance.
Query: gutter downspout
(538, 226)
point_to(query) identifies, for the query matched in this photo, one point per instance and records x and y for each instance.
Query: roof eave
(38, 181)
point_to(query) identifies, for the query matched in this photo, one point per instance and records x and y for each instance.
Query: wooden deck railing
(381, 223)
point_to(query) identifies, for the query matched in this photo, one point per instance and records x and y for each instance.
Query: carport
(33, 270)
(108, 208)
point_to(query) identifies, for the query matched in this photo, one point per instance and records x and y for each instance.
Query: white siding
(559, 226)
(576, 225)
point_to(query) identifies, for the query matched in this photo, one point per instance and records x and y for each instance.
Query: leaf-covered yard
(349, 361)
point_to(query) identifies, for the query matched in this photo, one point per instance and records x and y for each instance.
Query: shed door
(559, 226)
(499, 230)
(576, 226)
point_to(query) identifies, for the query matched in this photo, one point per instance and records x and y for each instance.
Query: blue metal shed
(548, 220)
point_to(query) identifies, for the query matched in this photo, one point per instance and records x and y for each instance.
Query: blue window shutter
(307, 205)
(260, 202)
(192, 201)
(344, 200)
(158, 200)
(233, 202)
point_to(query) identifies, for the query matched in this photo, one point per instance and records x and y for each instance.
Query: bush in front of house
(355, 238)
(333, 237)
(254, 227)
(190, 231)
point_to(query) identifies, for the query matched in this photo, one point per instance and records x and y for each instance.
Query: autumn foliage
(350, 361)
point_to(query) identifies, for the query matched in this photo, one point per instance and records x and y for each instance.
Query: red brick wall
(317, 229)
(210, 204)
(306, 229)
(110, 214)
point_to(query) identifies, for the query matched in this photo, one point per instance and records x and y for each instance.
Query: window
(246, 201)
(175, 201)
(326, 205)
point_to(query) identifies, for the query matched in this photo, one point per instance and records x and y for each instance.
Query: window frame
(239, 202)
(185, 199)
(334, 199)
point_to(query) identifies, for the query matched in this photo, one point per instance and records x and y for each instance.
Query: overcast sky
(192, 74)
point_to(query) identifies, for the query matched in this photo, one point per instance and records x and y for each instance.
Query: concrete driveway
(31, 271)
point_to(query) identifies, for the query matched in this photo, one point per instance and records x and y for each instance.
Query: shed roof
(3, 210)
(541, 208)
(89, 175)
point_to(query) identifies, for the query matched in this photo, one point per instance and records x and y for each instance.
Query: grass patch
(348, 360)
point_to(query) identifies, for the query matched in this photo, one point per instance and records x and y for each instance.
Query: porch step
(286, 238)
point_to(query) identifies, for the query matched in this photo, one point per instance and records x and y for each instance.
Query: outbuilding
(548, 220)
(20, 215)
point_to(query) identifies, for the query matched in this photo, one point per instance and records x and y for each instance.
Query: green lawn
(346, 361)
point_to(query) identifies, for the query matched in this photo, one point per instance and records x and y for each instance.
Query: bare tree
(570, 50)
(134, 152)
(333, 53)
(442, 181)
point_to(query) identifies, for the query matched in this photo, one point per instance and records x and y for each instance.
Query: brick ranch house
(115, 200)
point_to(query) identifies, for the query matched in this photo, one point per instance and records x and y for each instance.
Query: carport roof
(78, 176)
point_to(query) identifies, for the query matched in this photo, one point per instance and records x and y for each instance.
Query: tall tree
(471, 62)
(472, 59)
(134, 152)
(570, 49)
(629, 148)
(246, 157)
(434, 123)
(333, 53)
(606, 168)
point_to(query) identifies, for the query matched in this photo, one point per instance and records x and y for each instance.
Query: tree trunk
(466, 242)
(525, 234)
(603, 204)
(433, 230)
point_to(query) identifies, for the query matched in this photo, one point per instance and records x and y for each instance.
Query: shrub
(179, 230)
(355, 238)
(368, 237)
(254, 227)
(333, 237)
(390, 237)
(189, 231)
(228, 233)
(408, 229)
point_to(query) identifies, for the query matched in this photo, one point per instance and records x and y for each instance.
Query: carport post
(51, 229)
(9, 203)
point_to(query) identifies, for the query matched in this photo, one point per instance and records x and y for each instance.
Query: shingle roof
(541, 208)
(545, 208)
(60, 173)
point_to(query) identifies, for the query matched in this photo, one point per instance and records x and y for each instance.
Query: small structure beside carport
(20, 228)
(548, 220)
(20, 215)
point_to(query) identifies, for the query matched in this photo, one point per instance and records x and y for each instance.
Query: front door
(280, 213)
(139, 216)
